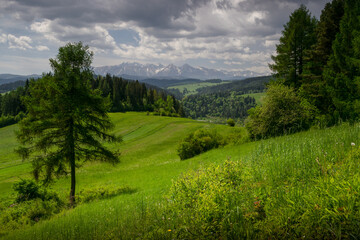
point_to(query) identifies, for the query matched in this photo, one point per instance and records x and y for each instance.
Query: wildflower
(169, 230)
(352, 144)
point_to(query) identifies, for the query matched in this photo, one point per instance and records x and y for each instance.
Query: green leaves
(67, 120)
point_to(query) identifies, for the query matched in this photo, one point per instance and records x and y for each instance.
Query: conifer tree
(297, 37)
(342, 74)
(66, 119)
(313, 86)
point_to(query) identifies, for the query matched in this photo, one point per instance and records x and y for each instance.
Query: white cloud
(225, 33)
(3, 38)
(22, 42)
(42, 48)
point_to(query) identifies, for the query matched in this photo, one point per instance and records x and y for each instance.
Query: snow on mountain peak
(171, 71)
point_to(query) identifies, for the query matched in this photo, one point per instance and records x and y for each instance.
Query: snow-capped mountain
(142, 71)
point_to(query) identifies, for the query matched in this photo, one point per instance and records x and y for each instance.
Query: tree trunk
(72, 163)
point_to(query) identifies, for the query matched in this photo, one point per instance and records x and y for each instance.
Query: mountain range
(140, 71)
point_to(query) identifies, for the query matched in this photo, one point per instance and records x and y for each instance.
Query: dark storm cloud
(159, 13)
(160, 18)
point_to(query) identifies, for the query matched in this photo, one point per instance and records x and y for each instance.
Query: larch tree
(67, 120)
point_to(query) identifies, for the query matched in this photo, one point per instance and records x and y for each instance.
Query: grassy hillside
(306, 182)
(149, 160)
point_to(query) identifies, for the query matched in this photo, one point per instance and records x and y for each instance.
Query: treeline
(248, 85)
(317, 70)
(124, 95)
(12, 109)
(6, 87)
(127, 95)
(221, 105)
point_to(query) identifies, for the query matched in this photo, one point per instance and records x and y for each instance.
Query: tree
(66, 119)
(282, 112)
(342, 73)
(314, 87)
(297, 37)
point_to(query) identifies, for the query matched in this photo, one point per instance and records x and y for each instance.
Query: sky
(234, 35)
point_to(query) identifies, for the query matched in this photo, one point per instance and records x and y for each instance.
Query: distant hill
(6, 87)
(10, 78)
(255, 84)
(165, 83)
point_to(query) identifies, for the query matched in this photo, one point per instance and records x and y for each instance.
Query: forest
(221, 105)
(125, 95)
(317, 73)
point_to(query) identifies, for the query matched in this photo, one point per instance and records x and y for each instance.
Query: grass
(302, 181)
(191, 88)
(149, 161)
(259, 97)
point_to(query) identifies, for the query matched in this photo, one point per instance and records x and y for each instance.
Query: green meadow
(296, 186)
(191, 88)
(259, 97)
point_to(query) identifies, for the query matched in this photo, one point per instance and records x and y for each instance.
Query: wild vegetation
(325, 81)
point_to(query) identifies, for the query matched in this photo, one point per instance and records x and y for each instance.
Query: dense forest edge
(125, 95)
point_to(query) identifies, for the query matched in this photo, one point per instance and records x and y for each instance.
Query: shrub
(207, 204)
(97, 193)
(28, 190)
(230, 122)
(282, 112)
(200, 141)
(6, 121)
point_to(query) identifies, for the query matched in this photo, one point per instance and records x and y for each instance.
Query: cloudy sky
(221, 34)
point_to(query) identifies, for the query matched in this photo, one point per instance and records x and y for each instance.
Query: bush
(89, 195)
(32, 204)
(283, 112)
(209, 203)
(6, 121)
(28, 190)
(200, 141)
(230, 122)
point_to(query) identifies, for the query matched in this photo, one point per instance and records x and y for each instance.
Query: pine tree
(66, 119)
(313, 87)
(342, 74)
(297, 37)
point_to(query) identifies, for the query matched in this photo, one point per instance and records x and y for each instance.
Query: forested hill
(165, 83)
(128, 95)
(125, 95)
(255, 84)
(225, 100)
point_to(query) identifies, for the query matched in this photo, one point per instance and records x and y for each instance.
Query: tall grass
(305, 185)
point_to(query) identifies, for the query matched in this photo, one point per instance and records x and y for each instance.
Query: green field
(259, 97)
(149, 161)
(191, 88)
(303, 180)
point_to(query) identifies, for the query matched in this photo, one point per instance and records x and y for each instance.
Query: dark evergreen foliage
(128, 95)
(67, 120)
(313, 87)
(249, 85)
(342, 73)
(222, 105)
(297, 37)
